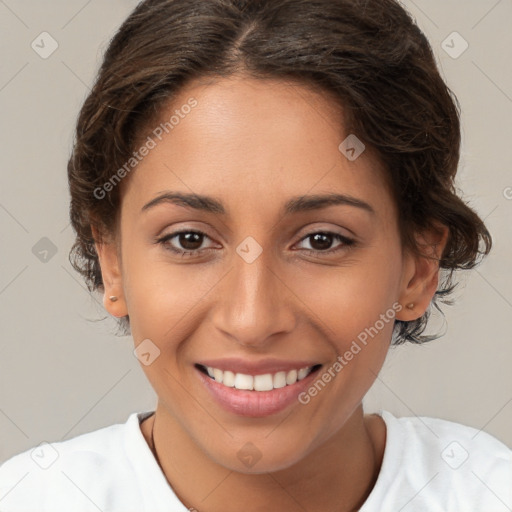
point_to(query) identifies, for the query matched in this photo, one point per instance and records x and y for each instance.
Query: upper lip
(237, 365)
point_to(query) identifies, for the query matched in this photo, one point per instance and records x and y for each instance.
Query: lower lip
(255, 403)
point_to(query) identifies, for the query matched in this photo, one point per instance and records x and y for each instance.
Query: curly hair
(369, 54)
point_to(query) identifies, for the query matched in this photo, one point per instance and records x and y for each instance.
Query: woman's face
(279, 278)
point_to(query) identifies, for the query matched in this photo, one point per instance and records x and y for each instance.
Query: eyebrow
(294, 205)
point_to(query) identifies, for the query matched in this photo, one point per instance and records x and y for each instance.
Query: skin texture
(254, 144)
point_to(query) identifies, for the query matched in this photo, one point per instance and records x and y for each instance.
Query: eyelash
(347, 243)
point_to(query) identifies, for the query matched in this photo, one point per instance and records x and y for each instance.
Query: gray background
(62, 375)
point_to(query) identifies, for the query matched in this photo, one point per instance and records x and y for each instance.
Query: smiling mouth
(262, 382)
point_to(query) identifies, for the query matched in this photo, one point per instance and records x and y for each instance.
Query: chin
(257, 458)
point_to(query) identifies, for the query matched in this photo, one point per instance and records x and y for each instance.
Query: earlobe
(113, 296)
(118, 309)
(421, 273)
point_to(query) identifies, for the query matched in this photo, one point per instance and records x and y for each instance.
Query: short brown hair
(369, 54)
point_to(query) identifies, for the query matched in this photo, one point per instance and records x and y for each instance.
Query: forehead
(250, 141)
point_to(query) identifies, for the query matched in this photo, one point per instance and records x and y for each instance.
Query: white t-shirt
(429, 465)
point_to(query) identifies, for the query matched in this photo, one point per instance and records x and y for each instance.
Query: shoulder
(90, 447)
(444, 465)
(455, 444)
(60, 468)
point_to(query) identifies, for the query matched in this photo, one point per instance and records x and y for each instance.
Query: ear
(420, 276)
(110, 263)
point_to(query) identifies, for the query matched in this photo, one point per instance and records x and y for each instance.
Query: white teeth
(265, 382)
(243, 381)
(280, 380)
(303, 372)
(228, 379)
(291, 377)
(217, 374)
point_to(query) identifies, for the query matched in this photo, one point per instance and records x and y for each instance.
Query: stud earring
(113, 298)
(410, 306)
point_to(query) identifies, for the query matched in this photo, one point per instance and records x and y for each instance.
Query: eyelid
(340, 233)
(330, 230)
(345, 241)
(169, 236)
(185, 227)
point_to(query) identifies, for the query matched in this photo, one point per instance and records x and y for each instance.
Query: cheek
(162, 297)
(350, 298)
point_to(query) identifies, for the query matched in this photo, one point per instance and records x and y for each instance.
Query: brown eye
(321, 242)
(185, 243)
(190, 241)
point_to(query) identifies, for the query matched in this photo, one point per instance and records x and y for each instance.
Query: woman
(263, 193)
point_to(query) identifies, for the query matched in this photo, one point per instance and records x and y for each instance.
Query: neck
(338, 475)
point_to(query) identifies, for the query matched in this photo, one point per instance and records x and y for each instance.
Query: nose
(254, 303)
